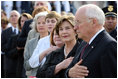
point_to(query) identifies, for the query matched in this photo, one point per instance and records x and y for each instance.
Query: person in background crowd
(33, 33)
(56, 43)
(24, 17)
(58, 60)
(97, 54)
(4, 23)
(3, 14)
(14, 15)
(39, 26)
(24, 33)
(6, 35)
(111, 20)
(13, 53)
(43, 44)
(26, 28)
(41, 3)
(20, 72)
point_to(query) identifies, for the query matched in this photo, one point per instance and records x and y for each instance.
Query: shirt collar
(95, 35)
(14, 28)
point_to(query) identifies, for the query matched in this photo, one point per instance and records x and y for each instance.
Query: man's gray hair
(93, 11)
(46, 2)
(15, 12)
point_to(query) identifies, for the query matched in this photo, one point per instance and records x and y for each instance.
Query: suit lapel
(93, 45)
(10, 30)
(87, 51)
(78, 51)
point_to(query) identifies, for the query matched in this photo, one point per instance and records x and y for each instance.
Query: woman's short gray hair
(33, 24)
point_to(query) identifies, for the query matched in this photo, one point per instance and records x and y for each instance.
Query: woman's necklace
(65, 53)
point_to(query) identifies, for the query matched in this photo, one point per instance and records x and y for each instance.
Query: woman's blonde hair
(53, 14)
(38, 10)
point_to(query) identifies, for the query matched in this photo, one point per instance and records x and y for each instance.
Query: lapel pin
(92, 47)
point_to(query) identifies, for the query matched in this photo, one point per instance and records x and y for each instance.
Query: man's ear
(94, 21)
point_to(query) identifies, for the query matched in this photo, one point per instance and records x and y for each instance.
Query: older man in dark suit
(10, 64)
(97, 59)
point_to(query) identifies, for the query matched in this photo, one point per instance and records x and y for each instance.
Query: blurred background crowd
(58, 6)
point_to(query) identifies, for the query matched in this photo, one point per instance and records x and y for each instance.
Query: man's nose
(110, 20)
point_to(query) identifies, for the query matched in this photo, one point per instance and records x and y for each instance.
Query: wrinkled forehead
(80, 17)
(80, 13)
(13, 13)
(41, 18)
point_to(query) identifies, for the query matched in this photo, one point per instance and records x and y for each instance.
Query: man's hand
(78, 71)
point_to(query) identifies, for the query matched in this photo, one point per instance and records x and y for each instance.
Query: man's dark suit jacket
(9, 55)
(6, 35)
(24, 33)
(100, 57)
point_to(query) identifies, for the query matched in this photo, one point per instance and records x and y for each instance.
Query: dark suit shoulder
(108, 38)
(114, 34)
(14, 36)
(6, 30)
